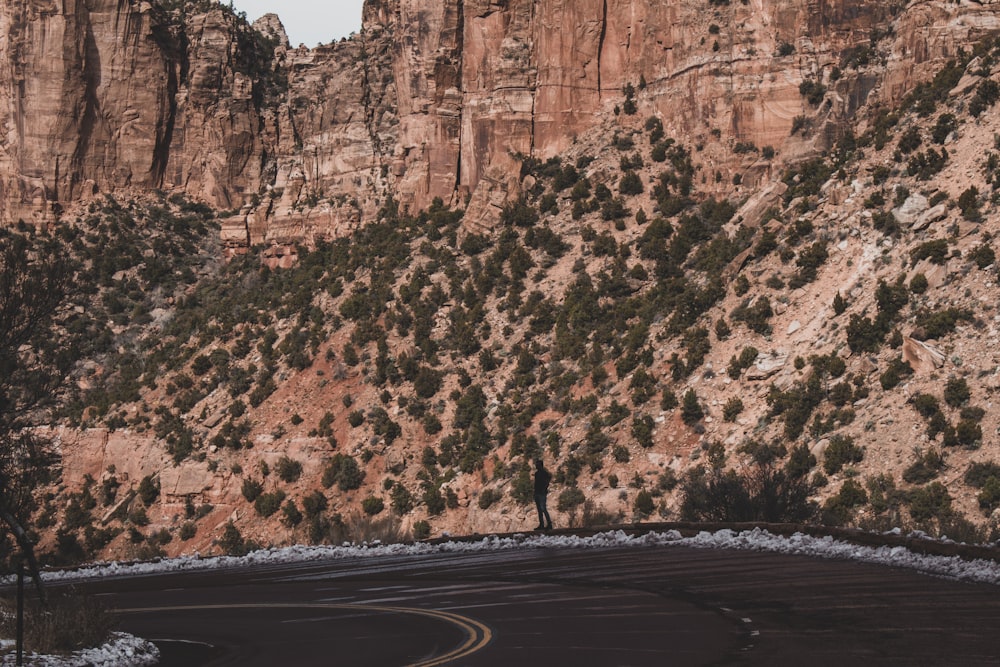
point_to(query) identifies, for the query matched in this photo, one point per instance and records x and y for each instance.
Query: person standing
(542, 479)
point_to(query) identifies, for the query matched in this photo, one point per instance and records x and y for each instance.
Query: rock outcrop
(430, 100)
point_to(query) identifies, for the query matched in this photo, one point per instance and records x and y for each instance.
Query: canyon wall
(438, 99)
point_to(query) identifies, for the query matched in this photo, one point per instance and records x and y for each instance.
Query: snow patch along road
(982, 571)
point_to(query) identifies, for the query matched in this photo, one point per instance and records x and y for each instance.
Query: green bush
(956, 392)
(643, 505)
(488, 497)
(732, 409)
(978, 473)
(289, 470)
(343, 471)
(840, 452)
(149, 490)
(252, 489)
(188, 530)
(761, 492)
(291, 516)
(267, 504)
(569, 499)
(691, 412)
(936, 251)
(926, 467)
(989, 496)
(930, 502)
(372, 505)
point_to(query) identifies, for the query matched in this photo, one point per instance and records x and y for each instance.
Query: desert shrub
(732, 409)
(956, 391)
(149, 490)
(488, 497)
(188, 530)
(755, 314)
(288, 469)
(938, 323)
(929, 502)
(372, 505)
(642, 430)
(894, 374)
(314, 504)
(986, 96)
(800, 462)
(968, 204)
(267, 504)
(630, 184)
(421, 530)
(748, 355)
(989, 495)
(401, 499)
(840, 452)
(968, 433)
(839, 509)
(762, 492)
(936, 251)
(983, 255)
(252, 489)
(927, 466)
(643, 505)
(519, 214)
(570, 499)
(946, 124)
(290, 514)
(979, 473)
(343, 471)
(691, 411)
(910, 140)
(232, 542)
(813, 91)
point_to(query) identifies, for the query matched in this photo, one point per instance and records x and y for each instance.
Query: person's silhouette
(542, 479)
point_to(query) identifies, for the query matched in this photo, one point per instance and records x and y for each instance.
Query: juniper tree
(34, 362)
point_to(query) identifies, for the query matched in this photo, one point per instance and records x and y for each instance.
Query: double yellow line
(477, 635)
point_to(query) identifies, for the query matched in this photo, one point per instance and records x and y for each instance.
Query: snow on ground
(124, 650)
(982, 571)
(128, 651)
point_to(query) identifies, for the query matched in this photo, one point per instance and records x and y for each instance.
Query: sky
(307, 21)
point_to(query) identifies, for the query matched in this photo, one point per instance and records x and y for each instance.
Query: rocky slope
(758, 249)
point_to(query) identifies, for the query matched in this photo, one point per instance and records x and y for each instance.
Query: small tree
(691, 411)
(34, 362)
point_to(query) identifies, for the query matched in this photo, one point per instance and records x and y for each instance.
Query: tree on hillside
(34, 362)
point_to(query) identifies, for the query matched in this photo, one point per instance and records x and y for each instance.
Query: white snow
(124, 650)
(131, 651)
(754, 540)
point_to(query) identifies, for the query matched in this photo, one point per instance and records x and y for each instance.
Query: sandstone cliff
(430, 100)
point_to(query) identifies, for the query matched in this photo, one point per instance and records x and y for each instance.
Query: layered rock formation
(431, 100)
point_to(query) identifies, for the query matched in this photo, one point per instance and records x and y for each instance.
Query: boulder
(911, 210)
(922, 357)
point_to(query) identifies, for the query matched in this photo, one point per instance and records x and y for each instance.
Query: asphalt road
(651, 606)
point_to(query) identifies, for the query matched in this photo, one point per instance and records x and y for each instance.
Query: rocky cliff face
(431, 100)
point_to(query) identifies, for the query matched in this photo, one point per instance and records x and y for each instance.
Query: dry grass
(69, 623)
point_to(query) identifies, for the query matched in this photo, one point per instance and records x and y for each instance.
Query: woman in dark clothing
(542, 479)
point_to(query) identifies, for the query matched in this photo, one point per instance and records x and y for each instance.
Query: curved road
(665, 605)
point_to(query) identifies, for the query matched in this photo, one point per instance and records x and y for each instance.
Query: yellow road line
(477, 635)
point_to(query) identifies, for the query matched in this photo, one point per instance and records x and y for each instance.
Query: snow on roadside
(123, 650)
(982, 571)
